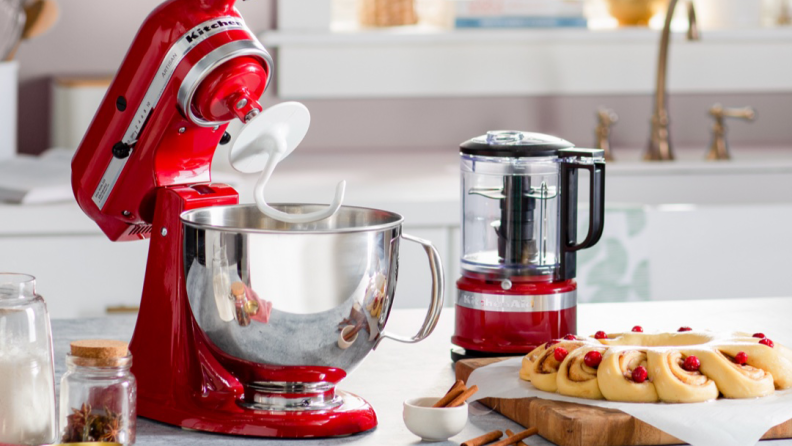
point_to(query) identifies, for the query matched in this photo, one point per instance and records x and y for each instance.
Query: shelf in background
(426, 34)
(426, 62)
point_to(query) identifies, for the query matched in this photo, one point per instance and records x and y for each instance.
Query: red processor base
(491, 320)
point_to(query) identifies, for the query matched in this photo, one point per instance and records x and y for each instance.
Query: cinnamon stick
(511, 434)
(351, 334)
(484, 439)
(458, 401)
(458, 384)
(452, 393)
(517, 437)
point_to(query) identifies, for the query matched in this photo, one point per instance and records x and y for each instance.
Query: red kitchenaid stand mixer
(519, 232)
(193, 67)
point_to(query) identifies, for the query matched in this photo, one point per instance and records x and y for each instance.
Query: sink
(753, 176)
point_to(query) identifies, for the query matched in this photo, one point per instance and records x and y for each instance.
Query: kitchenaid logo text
(498, 302)
(193, 38)
(198, 32)
(522, 304)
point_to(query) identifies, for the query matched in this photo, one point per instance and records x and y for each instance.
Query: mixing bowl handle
(436, 305)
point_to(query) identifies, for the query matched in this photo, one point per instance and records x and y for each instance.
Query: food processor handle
(574, 160)
(436, 305)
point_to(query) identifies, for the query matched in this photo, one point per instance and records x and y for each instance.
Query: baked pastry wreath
(683, 367)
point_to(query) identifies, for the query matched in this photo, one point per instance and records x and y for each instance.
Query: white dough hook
(264, 142)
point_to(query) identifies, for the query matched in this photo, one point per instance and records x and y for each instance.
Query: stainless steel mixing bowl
(316, 294)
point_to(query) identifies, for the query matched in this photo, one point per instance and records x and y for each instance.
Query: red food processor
(519, 240)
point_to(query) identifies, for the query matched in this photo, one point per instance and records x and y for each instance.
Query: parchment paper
(724, 422)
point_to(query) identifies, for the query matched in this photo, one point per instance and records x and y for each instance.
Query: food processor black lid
(514, 144)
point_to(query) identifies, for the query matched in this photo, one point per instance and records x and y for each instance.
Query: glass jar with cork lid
(98, 393)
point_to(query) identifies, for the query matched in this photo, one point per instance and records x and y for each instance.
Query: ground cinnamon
(484, 439)
(458, 401)
(514, 439)
(452, 393)
(511, 434)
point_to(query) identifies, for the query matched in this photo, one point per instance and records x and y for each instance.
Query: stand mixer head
(212, 297)
(192, 67)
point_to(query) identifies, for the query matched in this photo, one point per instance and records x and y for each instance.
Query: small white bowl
(434, 423)
(343, 344)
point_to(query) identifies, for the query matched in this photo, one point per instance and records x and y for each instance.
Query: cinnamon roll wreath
(683, 367)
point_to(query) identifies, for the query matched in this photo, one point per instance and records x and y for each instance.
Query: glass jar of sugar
(98, 394)
(27, 378)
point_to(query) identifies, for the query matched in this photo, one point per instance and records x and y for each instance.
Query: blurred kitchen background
(394, 86)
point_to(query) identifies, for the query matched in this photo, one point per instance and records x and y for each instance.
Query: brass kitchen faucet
(659, 143)
(606, 118)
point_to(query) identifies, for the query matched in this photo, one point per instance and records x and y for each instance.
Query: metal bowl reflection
(280, 294)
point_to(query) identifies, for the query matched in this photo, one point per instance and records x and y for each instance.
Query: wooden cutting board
(569, 424)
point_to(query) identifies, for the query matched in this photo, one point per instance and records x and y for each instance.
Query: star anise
(78, 424)
(82, 414)
(112, 431)
(110, 415)
(84, 426)
(93, 428)
(73, 429)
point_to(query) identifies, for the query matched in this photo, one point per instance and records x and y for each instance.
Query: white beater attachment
(264, 142)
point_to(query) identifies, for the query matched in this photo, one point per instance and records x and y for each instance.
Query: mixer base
(354, 416)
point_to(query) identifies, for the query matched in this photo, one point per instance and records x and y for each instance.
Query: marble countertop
(399, 371)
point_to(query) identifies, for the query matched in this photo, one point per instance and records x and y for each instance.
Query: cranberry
(759, 335)
(600, 335)
(638, 329)
(691, 364)
(741, 358)
(685, 329)
(766, 341)
(560, 353)
(639, 375)
(593, 358)
(551, 343)
(570, 337)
